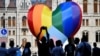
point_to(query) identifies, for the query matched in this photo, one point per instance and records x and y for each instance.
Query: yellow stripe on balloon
(46, 17)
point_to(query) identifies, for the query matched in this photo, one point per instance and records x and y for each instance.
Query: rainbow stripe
(67, 18)
(64, 22)
(40, 15)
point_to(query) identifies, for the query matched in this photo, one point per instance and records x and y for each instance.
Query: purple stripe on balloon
(70, 17)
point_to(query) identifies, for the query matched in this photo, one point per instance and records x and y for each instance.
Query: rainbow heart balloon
(64, 22)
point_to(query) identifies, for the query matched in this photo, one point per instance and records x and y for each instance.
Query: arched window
(85, 33)
(9, 32)
(97, 34)
(96, 22)
(95, 6)
(24, 21)
(85, 6)
(24, 31)
(11, 39)
(9, 21)
(24, 40)
(13, 32)
(13, 21)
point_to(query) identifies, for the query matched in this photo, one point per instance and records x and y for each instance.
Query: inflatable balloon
(62, 23)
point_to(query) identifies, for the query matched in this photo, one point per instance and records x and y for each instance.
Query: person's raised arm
(37, 37)
(47, 34)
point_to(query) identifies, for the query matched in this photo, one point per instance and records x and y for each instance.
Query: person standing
(58, 50)
(76, 41)
(3, 50)
(43, 44)
(51, 46)
(27, 51)
(12, 51)
(96, 50)
(84, 47)
(70, 48)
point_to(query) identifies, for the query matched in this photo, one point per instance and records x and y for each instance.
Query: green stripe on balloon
(57, 19)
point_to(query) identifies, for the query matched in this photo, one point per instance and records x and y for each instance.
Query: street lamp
(3, 20)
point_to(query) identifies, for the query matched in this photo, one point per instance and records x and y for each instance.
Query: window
(24, 21)
(9, 21)
(85, 34)
(97, 22)
(97, 36)
(24, 31)
(95, 6)
(2, 3)
(13, 32)
(99, 6)
(83, 22)
(12, 4)
(9, 32)
(1, 21)
(84, 6)
(24, 40)
(87, 22)
(24, 5)
(13, 21)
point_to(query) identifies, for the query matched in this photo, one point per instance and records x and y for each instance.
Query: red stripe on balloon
(30, 20)
(79, 25)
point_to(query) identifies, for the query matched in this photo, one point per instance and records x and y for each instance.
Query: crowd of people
(47, 47)
(75, 47)
(14, 51)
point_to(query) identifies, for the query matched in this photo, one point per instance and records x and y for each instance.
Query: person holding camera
(43, 44)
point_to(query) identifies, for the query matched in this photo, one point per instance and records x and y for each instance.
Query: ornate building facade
(14, 12)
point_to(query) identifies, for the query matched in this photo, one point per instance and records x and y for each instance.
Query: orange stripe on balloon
(37, 18)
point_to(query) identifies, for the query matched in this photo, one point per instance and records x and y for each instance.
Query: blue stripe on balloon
(70, 17)
(56, 33)
(67, 19)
